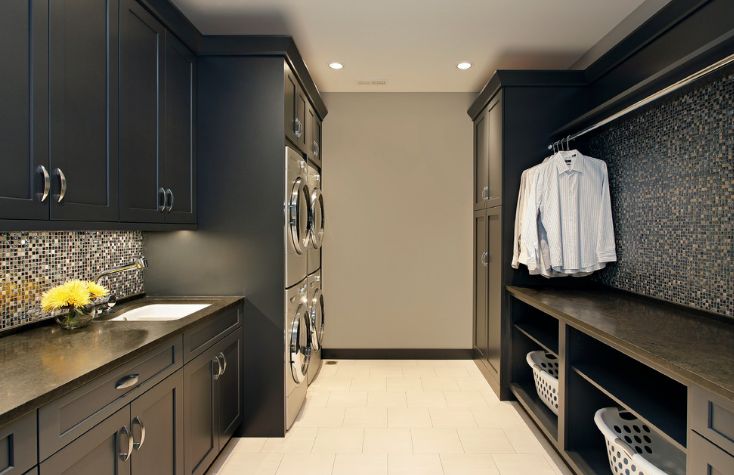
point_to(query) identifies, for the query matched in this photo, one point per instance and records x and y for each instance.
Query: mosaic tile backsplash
(32, 262)
(671, 175)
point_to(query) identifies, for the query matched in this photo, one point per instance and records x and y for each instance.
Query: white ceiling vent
(376, 82)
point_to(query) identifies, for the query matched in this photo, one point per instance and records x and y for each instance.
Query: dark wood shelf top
(684, 344)
(543, 416)
(540, 335)
(666, 415)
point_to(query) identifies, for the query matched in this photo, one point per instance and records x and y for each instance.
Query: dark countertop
(43, 362)
(684, 344)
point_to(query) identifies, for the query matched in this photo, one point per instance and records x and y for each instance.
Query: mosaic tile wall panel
(31, 262)
(671, 173)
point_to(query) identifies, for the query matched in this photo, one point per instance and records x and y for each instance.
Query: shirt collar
(576, 161)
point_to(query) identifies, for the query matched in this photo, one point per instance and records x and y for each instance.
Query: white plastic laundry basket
(635, 449)
(545, 374)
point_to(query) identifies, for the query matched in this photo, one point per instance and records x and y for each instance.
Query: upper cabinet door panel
(291, 91)
(495, 153)
(178, 122)
(481, 160)
(141, 45)
(24, 105)
(83, 88)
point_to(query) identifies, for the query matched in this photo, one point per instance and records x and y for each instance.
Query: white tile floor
(398, 417)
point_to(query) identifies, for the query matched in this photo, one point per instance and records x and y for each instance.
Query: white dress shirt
(572, 199)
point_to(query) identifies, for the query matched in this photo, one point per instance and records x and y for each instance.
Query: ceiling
(414, 45)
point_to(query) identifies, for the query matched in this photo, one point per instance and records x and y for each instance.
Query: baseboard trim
(397, 353)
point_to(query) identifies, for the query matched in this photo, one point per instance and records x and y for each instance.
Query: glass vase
(76, 318)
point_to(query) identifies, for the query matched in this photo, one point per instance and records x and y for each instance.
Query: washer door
(317, 320)
(316, 219)
(300, 344)
(299, 204)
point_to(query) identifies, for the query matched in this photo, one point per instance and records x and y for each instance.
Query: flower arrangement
(75, 301)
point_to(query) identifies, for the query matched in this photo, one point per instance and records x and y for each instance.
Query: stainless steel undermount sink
(159, 312)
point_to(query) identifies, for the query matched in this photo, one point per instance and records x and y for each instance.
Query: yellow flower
(71, 294)
(96, 291)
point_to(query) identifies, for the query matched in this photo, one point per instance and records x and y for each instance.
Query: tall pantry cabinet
(514, 117)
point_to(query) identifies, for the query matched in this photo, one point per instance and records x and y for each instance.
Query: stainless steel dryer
(297, 210)
(317, 321)
(316, 219)
(297, 350)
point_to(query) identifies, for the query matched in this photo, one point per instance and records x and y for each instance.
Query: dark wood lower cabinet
(98, 452)
(212, 401)
(156, 425)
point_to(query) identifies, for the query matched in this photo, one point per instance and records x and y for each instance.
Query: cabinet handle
(162, 199)
(62, 184)
(128, 381)
(316, 148)
(218, 372)
(138, 421)
(223, 364)
(485, 258)
(46, 182)
(298, 127)
(125, 456)
(485, 193)
(169, 192)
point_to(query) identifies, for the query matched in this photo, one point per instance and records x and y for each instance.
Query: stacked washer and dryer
(304, 319)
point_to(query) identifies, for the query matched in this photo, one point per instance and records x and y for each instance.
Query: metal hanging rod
(642, 102)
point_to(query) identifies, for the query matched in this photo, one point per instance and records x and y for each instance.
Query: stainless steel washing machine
(316, 219)
(317, 321)
(297, 210)
(298, 342)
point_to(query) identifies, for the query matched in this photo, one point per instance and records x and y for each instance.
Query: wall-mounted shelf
(544, 418)
(548, 340)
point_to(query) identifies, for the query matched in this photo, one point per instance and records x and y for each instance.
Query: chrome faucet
(137, 264)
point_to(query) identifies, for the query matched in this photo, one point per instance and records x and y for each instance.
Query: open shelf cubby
(540, 327)
(651, 396)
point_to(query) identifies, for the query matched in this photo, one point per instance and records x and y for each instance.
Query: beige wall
(398, 198)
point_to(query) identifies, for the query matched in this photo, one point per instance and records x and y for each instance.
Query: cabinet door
(201, 440)
(480, 283)
(83, 109)
(229, 386)
(293, 125)
(178, 125)
(103, 450)
(18, 445)
(494, 160)
(494, 287)
(705, 458)
(156, 422)
(481, 160)
(313, 135)
(24, 106)
(141, 45)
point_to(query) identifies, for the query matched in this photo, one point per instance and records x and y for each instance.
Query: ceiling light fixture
(336, 66)
(464, 65)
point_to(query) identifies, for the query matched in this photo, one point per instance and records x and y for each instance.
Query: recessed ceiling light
(336, 65)
(463, 65)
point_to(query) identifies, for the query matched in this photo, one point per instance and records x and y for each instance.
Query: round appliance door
(317, 320)
(299, 205)
(300, 344)
(317, 219)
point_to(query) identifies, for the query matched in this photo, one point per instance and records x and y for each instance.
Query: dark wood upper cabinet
(313, 135)
(481, 160)
(24, 106)
(295, 111)
(142, 196)
(83, 109)
(488, 155)
(178, 177)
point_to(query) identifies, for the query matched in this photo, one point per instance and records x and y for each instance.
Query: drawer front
(68, 417)
(704, 458)
(18, 445)
(212, 329)
(712, 416)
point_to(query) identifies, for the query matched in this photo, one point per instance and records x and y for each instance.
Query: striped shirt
(574, 233)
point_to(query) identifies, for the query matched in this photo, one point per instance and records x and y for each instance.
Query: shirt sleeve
(529, 245)
(605, 249)
(518, 222)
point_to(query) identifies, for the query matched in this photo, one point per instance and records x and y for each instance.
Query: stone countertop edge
(13, 347)
(709, 365)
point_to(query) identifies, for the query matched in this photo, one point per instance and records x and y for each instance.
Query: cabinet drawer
(68, 417)
(18, 445)
(204, 334)
(712, 416)
(704, 458)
